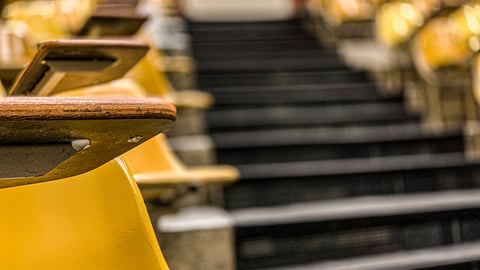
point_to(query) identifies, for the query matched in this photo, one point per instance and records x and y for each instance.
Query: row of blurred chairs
(425, 50)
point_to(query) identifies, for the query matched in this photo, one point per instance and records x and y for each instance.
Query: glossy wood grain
(66, 108)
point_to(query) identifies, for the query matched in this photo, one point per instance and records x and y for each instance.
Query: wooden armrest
(68, 64)
(178, 64)
(191, 99)
(220, 174)
(44, 139)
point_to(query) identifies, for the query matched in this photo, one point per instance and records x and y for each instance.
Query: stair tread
(302, 115)
(353, 208)
(296, 94)
(326, 135)
(423, 258)
(280, 78)
(350, 166)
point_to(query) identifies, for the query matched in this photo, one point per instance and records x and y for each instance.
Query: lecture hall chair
(63, 209)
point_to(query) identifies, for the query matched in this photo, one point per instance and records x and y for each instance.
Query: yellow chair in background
(396, 23)
(50, 19)
(337, 21)
(443, 51)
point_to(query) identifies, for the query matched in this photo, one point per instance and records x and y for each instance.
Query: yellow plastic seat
(443, 52)
(342, 23)
(50, 19)
(95, 220)
(397, 21)
(86, 216)
(337, 12)
(448, 41)
(40, 17)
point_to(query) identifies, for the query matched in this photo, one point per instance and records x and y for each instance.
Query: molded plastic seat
(95, 220)
(62, 18)
(43, 18)
(447, 41)
(398, 21)
(390, 16)
(443, 52)
(339, 12)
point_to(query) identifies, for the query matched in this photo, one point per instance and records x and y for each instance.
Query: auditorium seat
(87, 215)
(446, 69)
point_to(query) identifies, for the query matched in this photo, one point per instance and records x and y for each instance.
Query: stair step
(349, 166)
(331, 143)
(326, 231)
(333, 175)
(207, 49)
(272, 31)
(293, 94)
(269, 55)
(280, 62)
(291, 182)
(459, 257)
(297, 116)
(280, 78)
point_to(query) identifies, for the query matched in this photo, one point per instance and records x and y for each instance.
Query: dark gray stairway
(333, 174)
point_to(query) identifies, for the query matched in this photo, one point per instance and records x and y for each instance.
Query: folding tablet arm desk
(44, 139)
